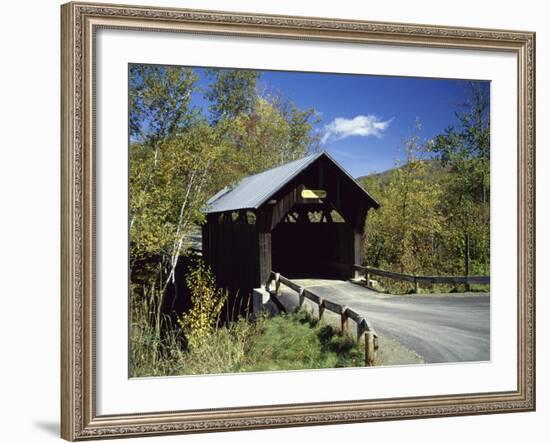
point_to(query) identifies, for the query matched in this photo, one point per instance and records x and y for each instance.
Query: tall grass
(285, 342)
(299, 341)
(198, 343)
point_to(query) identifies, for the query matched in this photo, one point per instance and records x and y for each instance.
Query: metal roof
(253, 191)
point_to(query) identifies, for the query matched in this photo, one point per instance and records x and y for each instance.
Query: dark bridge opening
(312, 241)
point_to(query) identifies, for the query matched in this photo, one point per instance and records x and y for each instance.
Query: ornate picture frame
(80, 23)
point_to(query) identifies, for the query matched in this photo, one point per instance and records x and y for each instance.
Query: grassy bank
(390, 286)
(285, 342)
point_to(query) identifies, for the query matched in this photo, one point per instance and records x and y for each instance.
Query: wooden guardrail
(365, 330)
(416, 279)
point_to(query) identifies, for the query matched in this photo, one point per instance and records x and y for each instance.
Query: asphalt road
(438, 327)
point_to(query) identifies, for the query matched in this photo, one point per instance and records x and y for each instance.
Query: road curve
(441, 328)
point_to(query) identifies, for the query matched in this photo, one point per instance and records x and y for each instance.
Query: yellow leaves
(176, 173)
(401, 233)
(206, 304)
(419, 227)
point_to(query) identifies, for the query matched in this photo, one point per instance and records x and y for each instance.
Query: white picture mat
(116, 393)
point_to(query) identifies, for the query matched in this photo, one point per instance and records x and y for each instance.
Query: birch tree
(171, 208)
(159, 108)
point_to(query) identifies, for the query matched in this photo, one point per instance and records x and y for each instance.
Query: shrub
(207, 301)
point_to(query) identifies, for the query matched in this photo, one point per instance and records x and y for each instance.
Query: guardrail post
(415, 285)
(301, 297)
(321, 309)
(369, 349)
(344, 320)
(360, 330)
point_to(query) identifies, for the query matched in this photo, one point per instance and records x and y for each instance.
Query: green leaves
(231, 93)
(402, 234)
(159, 101)
(466, 149)
(429, 206)
(179, 157)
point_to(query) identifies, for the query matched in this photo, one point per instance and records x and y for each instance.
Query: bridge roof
(253, 191)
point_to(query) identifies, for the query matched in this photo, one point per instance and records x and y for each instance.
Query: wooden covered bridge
(303, 219)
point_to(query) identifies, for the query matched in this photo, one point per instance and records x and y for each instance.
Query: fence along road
(440, 328)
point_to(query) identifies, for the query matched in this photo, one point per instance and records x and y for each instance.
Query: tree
(402, 234)
(434, 214)
(159, 101)
(231, 93)
(266, 129)
(179, 157)
(168, 209)
(159, 109)
(267, 137)
(466, 151)
(300, 137)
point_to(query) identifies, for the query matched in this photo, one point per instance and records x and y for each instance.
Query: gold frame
(79, 21)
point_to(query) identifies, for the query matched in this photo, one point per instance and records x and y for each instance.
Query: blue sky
(364, 119)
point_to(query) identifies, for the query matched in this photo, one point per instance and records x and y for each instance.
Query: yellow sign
(314, 193)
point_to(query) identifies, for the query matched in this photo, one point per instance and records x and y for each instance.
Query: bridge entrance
(312, 240)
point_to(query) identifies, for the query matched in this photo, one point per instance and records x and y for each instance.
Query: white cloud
(361, 125)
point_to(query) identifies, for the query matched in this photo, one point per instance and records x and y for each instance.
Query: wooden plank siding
(232, 249)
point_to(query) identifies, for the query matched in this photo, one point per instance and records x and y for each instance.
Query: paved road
(439, 328)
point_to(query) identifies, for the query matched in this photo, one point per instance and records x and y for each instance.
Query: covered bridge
(303, 219)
